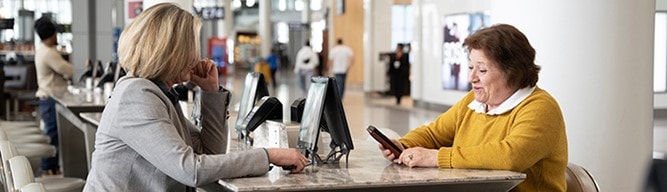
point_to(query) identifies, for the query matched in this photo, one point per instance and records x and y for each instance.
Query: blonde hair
(160, 43)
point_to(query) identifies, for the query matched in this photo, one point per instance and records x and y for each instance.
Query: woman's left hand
(419, 157)
(205, 75)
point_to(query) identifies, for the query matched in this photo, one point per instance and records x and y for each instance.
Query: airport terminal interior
(239, 36)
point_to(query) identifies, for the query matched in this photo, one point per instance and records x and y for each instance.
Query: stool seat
(30, 138)
(33, 187)
(61, 184)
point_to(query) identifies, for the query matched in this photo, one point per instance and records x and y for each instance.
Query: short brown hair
(508, 47)
(160, 43)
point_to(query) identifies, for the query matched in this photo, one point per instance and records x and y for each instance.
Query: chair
(20, 85)
(579, 179)
(21, 173)
(52, 184)
(33, 187)
(22, 177)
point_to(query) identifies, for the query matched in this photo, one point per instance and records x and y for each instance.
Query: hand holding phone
(382, 139)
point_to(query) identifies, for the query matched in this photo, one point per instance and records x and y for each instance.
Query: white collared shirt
(506, 106)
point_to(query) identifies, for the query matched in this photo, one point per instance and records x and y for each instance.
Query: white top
(52, 71)
(306, 54)
(341, 56)
(506, 106)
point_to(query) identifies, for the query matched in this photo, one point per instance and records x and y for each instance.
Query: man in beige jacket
(52, 74)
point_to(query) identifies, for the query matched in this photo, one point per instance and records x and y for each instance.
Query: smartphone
(386, 143)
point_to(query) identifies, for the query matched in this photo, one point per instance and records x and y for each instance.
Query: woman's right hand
(388, 154)
(287, 157)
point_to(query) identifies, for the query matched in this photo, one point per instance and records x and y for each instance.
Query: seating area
(18, 94)
(22, 146)
(580, 180)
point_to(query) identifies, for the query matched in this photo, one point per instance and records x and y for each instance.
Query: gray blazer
(144, 143)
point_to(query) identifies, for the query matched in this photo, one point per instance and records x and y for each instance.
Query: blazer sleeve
(212, 139)
(145, 126)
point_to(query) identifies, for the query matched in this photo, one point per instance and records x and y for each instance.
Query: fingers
(205, 75)
(288, 157)
(410, 158)
(387, 154)
(300, 163)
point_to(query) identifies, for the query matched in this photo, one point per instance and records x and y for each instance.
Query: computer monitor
(324, 110)
(310, 121)
(254, 89)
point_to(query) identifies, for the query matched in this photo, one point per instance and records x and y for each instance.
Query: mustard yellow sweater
(530, 139)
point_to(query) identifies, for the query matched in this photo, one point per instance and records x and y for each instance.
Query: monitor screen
(335, 120)
(324, 110)
(254, 89)
(310, 121)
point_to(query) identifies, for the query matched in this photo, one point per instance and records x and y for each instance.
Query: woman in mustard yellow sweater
(506, 122)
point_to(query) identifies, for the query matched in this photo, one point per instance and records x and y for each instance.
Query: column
(265, 27)
(229, 19)
(597, 61)
(305, 14)
(377, 29)
(185, 4)
(83, 35)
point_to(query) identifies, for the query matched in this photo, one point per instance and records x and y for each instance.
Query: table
(76, 137)
(369, 171)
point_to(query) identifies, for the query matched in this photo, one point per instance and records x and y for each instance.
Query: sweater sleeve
(439, 132)
(58, 64)
(536, 130)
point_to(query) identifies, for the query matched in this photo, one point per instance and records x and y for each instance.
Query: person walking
(340, 62)
(274, 63)
(305, 63)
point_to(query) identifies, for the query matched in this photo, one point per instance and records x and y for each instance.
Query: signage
(210, 13)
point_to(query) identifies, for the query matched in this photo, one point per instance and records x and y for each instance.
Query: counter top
(368, 170)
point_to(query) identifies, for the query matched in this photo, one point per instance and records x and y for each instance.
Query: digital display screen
(312, 112)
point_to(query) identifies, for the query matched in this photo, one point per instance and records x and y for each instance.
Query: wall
(427, 49)
(349, 26)
(92, 33)
(377, 27)
(660, 99)
(601, 78)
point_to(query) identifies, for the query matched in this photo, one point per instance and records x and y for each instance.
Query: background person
(341, 59)
(305, 63)
(274, 63)
(506, 122)
(399, 69)
(52, 75)
(144, 142)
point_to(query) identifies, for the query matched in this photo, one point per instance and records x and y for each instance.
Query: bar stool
(27, 138)
(21, 175)
(33, 187)
(20, 171)
(52, 184)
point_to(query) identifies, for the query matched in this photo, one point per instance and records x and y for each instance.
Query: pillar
(184, 4)
(265, 27)
(228, 25)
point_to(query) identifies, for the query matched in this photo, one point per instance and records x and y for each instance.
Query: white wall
(660, 99)
(597, 61)
(427, 50)
(377, 28)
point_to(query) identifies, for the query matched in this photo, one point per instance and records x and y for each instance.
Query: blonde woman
(144, 143)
